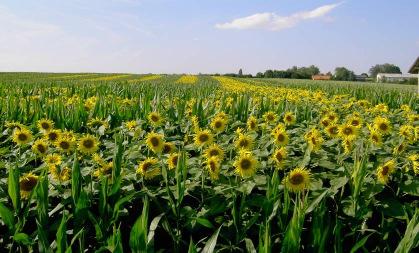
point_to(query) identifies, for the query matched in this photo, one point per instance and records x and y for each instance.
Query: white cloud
(274, 22)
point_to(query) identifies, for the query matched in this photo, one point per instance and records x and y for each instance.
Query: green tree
(240, 72)
(384, 68)
(269, 73)
(259, 75)
(344, 74)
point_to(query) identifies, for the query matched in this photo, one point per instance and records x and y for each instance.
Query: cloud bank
(273, 22)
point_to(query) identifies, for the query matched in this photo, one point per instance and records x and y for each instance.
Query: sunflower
(414, 159)
(168, 148)
(408, 132)
(172, 161)
(131, 125)
(397, 150)
(97, 123)
(289, 118)
(13, 125)
(213, 166)
(382, 125)
(279, 157)
(246, 164)
(88, 144)
(354, 121)
(332, 116)
(314, 139)
(384, 172)
(64, 144)
(40, 147)
(155, 119)
(218, 124)
(332, 131)
(297, 180)
(104, 169)
(280, 136)
(147, 168)
(52, 135)
(22, 136)
(347, 146)
(244, 142)
(375, 137)
(45, 125)
(155, 142)
(203, 138)
(214, 150)
(252, 123)
(348, 132)
(60, 175)
(53, 159)
(27, 183)
(269, 117)
(325, 122)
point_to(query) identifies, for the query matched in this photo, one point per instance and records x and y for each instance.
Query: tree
(344, 74)
(384, 68)
(269, 74)
(259, 75)
(240, 72)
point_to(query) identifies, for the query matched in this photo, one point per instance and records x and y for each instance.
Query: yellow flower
(252, 123)
(213, 166)
(279, 157)
(246, 164)
(354, 121)
(408, 132)
(414, 159)
(60, 175)
(332, 131)
(131, 125)
(348, 132)
(314, 139)
(52, 135)
(64, 143)
(326, 122)
(97, 123)
(384, 172)
(244, 142)
(53, 159)
(88, 144)
(332, 116)
(155, 119)
(382, 125)
(297, 180)
(218, 124)
(172, 161)
(375, 137)
(203, 138)
(214, 150)
(399, 149)
(104, 170)
(13, 125)
(269, 117)
(347, 146)
(40, 147)
(22, 136)
(289, 118)
(155, 142)
(148, 169)
(27, 183)
(45, 125)
(280, 136)
(168, 148)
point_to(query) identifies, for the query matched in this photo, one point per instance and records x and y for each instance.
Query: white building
(415, 70)
(390, 77)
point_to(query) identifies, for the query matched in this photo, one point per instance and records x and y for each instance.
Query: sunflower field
(169, 163)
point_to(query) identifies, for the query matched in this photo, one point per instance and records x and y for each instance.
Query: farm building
(321, 77)
(391, 77)
(414, 70)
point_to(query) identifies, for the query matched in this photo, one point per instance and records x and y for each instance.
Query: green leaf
(14, 187)
(192, 248)
(75, 180)
(22, 238)
(138, 235)
(62, 235)
(315, 202)
(410, 186)
(204, 222)
(7, 216)
(153, 227)
(250, 247)
(212, 242)
(360, 243)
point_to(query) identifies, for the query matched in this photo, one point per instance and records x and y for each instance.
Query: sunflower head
(280, 137)
(314, 139)
(213, 166)
(203, 138)
(252, 123)
(172, 161)
(52, 135)
(297, 180)
(40, 147)
(53, 159)
(244, 142)
(155, 142)
(155, 119)
(269, 117)
(131, 125)
(214, 151)
(64, 144)
(218, 124)
(348, 132)
(169, 147)
(384, 172)
(22, 136)
(289, 118)
(279, 157)
(27, 183)
(382, 125)
(148, 169)
(45, 125)
(245, 164)
(61, 175)
(355, 121)
(332, 131)
(88, 144)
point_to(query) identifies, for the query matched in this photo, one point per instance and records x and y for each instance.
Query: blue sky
(185, 36)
